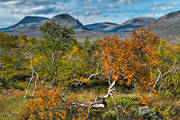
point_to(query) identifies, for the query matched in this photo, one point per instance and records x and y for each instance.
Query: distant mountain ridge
(28, 21)
(140, 21)
(100, 26)
(29, 25)
(122, 29)
(167, 26)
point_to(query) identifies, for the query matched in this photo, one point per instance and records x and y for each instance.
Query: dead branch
(32, 69)
(33, 72)
(28, 86)
(35, 84)
(116, 107)
(161, 76)
(102, 104)
(92, 75)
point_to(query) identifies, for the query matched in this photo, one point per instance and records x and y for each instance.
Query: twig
(116, 107)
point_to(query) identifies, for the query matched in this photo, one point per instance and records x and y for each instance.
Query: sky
(87, 11)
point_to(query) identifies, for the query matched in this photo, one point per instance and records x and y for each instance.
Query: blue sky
(87, 11)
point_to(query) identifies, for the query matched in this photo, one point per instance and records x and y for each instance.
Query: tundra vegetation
(58, 78)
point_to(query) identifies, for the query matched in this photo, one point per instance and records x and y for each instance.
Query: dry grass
(168, 102)
(82, 95)
(10, 104)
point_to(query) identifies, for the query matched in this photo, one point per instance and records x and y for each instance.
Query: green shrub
(125, 101)
(147, 113)
(109, 115)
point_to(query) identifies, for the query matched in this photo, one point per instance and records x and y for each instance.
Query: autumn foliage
(50, 105)
(132, 59)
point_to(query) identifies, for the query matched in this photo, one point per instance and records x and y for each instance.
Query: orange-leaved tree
(133, 59)
(51, 105)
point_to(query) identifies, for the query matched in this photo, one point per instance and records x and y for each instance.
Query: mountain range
(167, 26)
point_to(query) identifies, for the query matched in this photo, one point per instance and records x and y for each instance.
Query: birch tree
(55, 42)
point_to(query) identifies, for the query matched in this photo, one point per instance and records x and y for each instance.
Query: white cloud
(153, 15)
(121, 1)
(111, 6)
(11, 2)
(155, 3)
(163, 8)
(90, 13)
(31, 9)
(7, 18)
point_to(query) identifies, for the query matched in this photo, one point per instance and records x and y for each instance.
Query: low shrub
(50, 105)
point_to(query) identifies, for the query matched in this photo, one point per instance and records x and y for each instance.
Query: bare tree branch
(161, 76)
(116, 107)
(92, 75)
(32, 68)
(37, 77)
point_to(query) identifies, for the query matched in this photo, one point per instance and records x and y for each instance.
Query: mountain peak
(168, 26)
(27, 22)
(28, 17)
(168, 19)
(68, 20)
(31, 19)
(173, 15)
(63, 16)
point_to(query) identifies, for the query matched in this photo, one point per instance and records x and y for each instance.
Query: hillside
(168, 26)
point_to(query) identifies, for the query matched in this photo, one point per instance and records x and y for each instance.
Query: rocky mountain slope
(168, 27)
